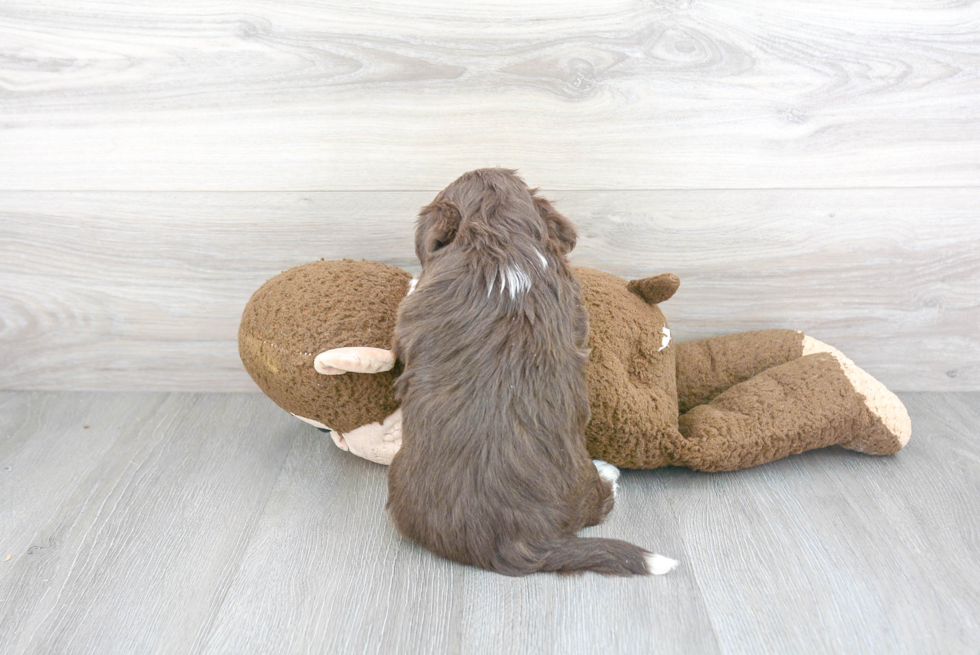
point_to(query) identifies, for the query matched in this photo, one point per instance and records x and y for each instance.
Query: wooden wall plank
(145, 290)
(221, 95)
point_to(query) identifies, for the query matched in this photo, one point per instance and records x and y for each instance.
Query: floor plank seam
(207, 631)
(95, 489)
(693, 571)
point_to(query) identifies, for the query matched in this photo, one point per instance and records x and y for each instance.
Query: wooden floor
(812, 165)
(187, 523)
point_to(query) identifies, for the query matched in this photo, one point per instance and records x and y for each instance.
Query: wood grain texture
(327, 573)
(145, 290)
(138, 556)
(253, 95)
(210, 523)
(829, 552)
(48, 447)
(590, 614)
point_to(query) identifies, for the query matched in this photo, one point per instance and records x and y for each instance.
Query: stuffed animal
(317, 340)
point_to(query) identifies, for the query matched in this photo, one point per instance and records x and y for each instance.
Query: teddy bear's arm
(707, 367)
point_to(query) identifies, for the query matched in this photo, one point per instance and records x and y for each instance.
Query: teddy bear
(317, 340)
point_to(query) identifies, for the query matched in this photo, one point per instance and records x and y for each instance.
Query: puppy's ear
(561, 232)
(436, 228)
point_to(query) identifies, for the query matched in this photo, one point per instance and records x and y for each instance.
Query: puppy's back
(493, 469)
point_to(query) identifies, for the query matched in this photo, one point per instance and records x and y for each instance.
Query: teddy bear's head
(314, 308)
(305, 316)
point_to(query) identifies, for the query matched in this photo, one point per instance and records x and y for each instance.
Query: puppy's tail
(607, 556)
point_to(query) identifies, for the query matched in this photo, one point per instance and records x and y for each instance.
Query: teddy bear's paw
(881, 402)
(609, 473)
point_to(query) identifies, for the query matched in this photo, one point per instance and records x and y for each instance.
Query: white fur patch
(516, 279)
(609, 473)
(544, 262)
(665, 340)
(659, 565)
(411, 286)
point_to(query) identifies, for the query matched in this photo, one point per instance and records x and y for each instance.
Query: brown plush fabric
(312, 308)
(707, 367)
(798, 406)
(749, 398)
(632, 385)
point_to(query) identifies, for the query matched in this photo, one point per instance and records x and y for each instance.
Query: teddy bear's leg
(707, 367)
(821, 399)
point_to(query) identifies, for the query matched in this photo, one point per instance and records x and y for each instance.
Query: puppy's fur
(493, 469)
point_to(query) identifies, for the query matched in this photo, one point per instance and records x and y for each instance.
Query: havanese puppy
(493, 470)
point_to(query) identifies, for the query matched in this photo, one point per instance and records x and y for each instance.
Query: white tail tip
(659, 565)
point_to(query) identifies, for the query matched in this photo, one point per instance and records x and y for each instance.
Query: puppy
(493, 469)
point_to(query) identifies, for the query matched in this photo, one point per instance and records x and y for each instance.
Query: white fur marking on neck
(493, 281)
(518, 280)
(665, 340)
(411, 286)
(544, 262)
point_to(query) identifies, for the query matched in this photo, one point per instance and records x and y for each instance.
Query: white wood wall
(811, 164)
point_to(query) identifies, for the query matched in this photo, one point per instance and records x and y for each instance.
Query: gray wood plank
(139, 557)
(49, 445)
(220, 95)
(217, 523)
(833, 551)
(591, 613)
(326, 573)
(145, 290)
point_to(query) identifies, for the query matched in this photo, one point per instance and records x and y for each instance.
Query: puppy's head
(490, 209)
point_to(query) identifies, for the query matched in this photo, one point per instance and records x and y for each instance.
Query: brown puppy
(493, 469)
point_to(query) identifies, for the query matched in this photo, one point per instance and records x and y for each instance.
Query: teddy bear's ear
(656, 289)
(338, 361)
(436, 228)
(561, 232)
